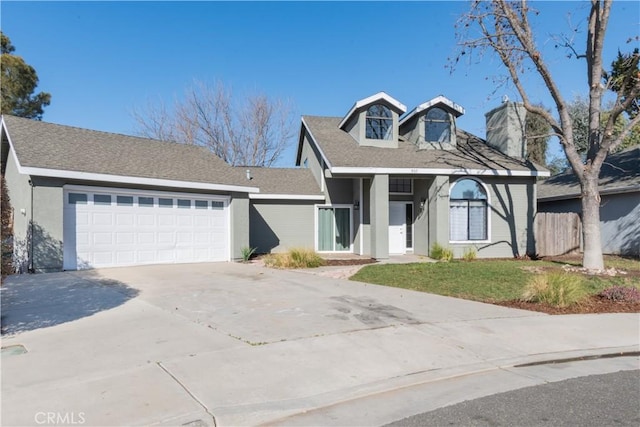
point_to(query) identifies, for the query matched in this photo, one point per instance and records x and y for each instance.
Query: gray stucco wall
(339, 191)
(421, 217)
(619, 224)
(314, 160)
(48, 200)
(239, 212)
(278, 225)
(512, 210)
(19, 192)
(379, 199)
(438, 205)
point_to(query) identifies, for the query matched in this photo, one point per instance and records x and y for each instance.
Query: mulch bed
(338, 262)
(592, 304)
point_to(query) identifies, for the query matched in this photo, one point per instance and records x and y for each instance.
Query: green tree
(503, 28)
(624, 75)
(19, 81)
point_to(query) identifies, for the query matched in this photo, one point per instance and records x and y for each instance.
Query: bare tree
(254, 132)
(504, 29)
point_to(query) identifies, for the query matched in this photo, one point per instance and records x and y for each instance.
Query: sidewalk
(246, 345)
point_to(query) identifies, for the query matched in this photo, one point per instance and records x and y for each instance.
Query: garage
(104, 227)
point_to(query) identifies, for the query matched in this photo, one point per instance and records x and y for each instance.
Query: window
(400, 185)
(165, 203)
(146, 202)
(468, 211)
(101, 199)
(409, 223)
(334, 229)
(124, 200)
(77, 199)
(379, 122)
(217, 205)
(437, 126)
(184, 204)
(202, 204)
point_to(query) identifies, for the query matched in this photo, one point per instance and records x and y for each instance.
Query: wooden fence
(557, 233)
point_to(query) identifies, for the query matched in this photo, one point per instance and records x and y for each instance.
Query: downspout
(31, 226)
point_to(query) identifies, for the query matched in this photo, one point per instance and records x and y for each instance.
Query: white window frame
(315, 228)
(489, 209)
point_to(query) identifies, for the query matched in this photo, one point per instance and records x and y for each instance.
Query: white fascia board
(378, 96)
(437, 100)
(286, 196)
(121, 179)
(434, 171)
(326, 160)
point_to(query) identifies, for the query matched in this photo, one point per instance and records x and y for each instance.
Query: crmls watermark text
(53, 418)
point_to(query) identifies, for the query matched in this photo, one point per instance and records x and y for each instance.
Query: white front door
(397, 227)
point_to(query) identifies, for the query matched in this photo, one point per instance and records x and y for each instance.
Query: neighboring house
(619, 185)
(375, 182)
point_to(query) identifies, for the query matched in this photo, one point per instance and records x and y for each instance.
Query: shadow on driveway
(34, 301)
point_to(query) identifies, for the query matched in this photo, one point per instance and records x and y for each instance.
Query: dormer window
(437, 124)
(379, 122)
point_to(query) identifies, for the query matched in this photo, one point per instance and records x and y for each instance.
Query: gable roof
(380, 96)
(47, 149)
(473, 156)
(440, 100)
(620, 173)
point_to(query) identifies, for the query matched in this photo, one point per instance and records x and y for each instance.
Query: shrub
(621, 293)
(294, 258)
(469, 254)
(441, 253)
(247, 252)
(557, 289)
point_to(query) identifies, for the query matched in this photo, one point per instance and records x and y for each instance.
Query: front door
(397, 227)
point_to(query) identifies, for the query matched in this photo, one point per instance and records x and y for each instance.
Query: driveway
(244, 345)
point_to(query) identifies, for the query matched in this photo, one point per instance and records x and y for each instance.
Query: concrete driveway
(238, 344)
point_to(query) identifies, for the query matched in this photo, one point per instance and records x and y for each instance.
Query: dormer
(432, 125)
(373, 121)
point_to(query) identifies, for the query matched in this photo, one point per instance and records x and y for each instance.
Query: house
(619, 185)
(375, 182)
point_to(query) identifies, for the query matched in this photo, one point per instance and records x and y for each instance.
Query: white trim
(286, 196)
(89, 176)
(315, 227)
(370, 99)
(361, 216)
(433, 171)
(313, 138)
(435, 101)
(489, 210)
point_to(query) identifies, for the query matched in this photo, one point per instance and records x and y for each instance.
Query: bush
(557, 289)
(469, 254)
(621, 293)
(294, 258)
(441, 253)
(247, 252)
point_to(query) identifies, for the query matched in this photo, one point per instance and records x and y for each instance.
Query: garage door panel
(136, 229)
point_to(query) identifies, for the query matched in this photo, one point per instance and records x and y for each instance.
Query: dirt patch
(592, 304)
(339, 262)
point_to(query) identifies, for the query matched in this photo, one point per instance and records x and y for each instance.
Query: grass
(481, 280)
(294, 258)
(560, 289)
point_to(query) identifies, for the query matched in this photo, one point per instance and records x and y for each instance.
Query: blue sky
(99, 60)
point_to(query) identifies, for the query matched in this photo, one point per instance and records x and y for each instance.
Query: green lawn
(481, 280)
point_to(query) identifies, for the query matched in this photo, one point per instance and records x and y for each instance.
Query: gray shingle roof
(52, 146)
(620, 172)
(282, 180)
(471, 153)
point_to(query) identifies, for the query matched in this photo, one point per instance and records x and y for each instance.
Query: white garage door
(119, 227)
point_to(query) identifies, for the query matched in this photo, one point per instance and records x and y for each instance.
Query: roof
(65, 151)
(620, 173)
(282, 181)
(380, 96)
(342, 153)
(440, 100)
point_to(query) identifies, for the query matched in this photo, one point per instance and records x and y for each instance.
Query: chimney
(505, 129)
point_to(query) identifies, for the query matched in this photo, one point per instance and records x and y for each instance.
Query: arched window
(379, 122)
(437, 126)
(467, 211)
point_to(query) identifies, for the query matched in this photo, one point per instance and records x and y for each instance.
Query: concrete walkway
(245, 345)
